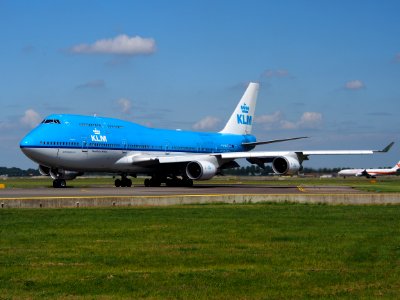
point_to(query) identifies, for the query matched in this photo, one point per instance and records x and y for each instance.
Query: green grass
(381, 184)
(252, 251)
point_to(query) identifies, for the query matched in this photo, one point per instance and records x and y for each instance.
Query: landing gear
(175, 181)
(154, 182)
(123, 182)
(59, 183)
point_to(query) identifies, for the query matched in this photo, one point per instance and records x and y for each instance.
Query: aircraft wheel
(117, 182)
(59, 183)
(172, 182)
(147, 182)
(127, 182)
(155, 182)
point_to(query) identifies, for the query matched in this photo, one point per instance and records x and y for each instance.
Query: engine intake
(43, 170)
(286, 165)
(200, 170)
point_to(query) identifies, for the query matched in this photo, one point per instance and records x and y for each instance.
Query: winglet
(386, 149)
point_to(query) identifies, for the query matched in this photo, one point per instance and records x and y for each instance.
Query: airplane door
(84, 145)
(124, 146)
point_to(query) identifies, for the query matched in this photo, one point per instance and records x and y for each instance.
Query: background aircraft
(370, 173)
(65, 146)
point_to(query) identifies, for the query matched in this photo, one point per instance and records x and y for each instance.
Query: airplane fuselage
(89, 143)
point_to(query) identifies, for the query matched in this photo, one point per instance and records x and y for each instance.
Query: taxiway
(199, 194)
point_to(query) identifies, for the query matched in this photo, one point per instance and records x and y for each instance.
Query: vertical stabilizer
(397, 166)
(241, 121)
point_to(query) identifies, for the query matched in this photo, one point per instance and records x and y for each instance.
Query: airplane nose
(26, 141)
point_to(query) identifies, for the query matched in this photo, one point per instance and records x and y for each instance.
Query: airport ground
(203, 251)
(214, 251)
(90, 192)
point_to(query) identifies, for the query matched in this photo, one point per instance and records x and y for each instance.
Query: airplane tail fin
(397, 166)
(241, 121)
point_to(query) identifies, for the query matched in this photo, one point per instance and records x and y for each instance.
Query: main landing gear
(59, 183)
(123, 182)
(157, 181)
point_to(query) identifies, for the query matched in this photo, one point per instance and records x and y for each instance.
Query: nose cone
(27, 145)
(27, 141)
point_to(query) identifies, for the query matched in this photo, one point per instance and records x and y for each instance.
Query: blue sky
(328, 69)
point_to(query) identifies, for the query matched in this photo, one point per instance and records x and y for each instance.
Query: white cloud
(207, 123)
(277, 120)
(284, 124)
(121, 45)
(125, 105)
(270, 121)
(31, 118)
(310, 120)
(354, 85)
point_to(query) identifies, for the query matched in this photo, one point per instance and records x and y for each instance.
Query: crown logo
(96, 131)
(245, 108)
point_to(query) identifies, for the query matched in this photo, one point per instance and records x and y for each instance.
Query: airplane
(65, 146)
(370, 173)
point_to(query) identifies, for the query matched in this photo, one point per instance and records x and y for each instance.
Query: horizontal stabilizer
(274, 141)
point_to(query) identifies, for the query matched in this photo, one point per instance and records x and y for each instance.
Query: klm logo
(97, 137)
(244, 118)
(245, 108)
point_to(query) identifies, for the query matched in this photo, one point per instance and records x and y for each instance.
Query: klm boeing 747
(65, 146)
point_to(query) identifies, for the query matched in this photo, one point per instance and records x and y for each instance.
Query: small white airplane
(370, 173)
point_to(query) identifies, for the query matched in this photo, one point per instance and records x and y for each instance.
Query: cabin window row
(104, 145)
(59, 143)
(99, 125)
(90, 124)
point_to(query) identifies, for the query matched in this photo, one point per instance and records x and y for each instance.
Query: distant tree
(17, 172)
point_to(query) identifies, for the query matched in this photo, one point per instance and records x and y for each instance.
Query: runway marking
(301, 189)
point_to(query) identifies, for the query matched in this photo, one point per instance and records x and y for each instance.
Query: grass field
(251, 251)
(382, 184)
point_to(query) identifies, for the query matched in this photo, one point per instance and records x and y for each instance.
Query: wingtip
(387, 148)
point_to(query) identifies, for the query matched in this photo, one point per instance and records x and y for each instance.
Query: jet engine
(200, 170)
(45, 171)
(285, 165)
(62, 174)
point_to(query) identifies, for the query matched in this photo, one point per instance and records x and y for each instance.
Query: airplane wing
(283, 162)
(274, 141)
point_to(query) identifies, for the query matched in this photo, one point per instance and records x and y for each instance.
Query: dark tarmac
(76, 197)
(242, 189)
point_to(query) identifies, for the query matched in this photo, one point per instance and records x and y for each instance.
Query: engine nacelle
(62, 174)
(286, 165)
(200, 170)
(43, 170)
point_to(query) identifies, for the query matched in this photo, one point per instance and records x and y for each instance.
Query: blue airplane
(65, 146)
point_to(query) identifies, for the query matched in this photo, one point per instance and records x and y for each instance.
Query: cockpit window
(51, 121)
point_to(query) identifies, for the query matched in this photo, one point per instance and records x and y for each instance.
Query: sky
(329, 70)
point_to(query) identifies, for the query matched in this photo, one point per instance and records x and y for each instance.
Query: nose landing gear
(59, 183)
